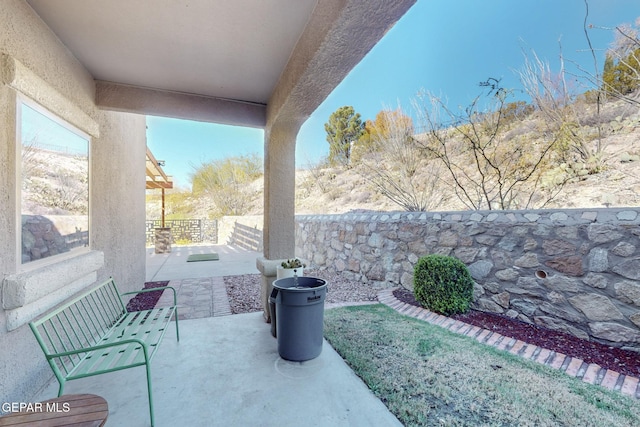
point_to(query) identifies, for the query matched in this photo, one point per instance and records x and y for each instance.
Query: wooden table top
(79, 410)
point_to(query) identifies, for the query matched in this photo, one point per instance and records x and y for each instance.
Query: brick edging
(589, 373)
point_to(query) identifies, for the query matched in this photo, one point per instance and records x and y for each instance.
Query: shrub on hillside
(442, 284)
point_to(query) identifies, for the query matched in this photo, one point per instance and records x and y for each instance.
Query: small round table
(81, 410)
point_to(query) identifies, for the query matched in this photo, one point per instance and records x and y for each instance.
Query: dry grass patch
(429, 376)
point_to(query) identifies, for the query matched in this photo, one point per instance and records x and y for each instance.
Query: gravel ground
(244, 290)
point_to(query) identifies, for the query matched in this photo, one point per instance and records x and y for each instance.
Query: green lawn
(428, 376)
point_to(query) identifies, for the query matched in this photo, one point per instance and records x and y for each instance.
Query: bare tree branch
(489, 168)
(398, 170)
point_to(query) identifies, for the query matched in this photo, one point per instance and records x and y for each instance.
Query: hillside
(54, 183)
(334, 190)
(338, 190)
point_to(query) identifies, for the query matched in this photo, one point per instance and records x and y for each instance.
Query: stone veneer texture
(576, 271)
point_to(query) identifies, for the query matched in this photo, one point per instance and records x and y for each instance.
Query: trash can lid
(301, 283)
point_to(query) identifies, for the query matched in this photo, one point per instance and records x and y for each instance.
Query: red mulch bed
(146, 300)
(623, 361)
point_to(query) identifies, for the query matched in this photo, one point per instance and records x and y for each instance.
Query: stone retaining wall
(576, 271)
(191, 230)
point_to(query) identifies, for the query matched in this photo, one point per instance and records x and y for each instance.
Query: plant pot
(282, 272)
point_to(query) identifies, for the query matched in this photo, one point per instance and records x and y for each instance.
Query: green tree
(621, 73)
(622, 77)
(608, 73)
(343, 129)
(225, 183)
(518, 110)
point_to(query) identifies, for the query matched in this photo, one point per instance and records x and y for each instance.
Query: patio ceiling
(241, 62)
(231, 53)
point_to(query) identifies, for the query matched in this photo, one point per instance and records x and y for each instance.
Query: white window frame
(20, 101)
(38, 286)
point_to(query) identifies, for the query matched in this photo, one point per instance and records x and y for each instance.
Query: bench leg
(60, 388)
(175, 313)
(148, 368)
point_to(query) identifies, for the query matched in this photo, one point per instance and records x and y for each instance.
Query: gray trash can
(299, 309)
(272, 311)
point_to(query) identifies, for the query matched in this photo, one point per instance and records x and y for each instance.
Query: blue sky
(42, 131)
(443, 46)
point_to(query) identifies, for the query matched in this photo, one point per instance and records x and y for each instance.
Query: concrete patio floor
(226, 371)
(174, 265)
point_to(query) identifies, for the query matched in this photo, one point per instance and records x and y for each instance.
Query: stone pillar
(163, 240)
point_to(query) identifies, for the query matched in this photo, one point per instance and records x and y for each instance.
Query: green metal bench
(94, 334)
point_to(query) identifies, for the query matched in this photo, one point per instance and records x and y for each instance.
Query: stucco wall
(34, 64)
(570, 270)
(117, 191)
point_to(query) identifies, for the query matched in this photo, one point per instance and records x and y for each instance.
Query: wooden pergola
(156, 178)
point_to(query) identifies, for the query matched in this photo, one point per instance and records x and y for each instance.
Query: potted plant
(290, 267)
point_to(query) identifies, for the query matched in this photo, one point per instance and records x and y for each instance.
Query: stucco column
(338, 35)
(279, 204)
(279, 198)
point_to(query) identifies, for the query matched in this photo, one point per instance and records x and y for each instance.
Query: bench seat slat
(146, 326)
(132, 326)
(137, 323)
(108, 360)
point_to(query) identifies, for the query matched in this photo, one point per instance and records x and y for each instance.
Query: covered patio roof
(246, 63)
(215, 60)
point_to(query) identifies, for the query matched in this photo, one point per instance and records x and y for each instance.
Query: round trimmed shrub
(442, 284)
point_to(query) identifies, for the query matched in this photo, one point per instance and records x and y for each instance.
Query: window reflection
(55, 185)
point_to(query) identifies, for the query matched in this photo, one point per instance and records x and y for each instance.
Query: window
(54, 191)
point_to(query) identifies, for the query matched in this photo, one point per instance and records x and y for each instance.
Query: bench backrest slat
(62, 341)
(111, 302)
(78, 332)
(54, 340)
(79, 324)
(99, 316)
(87, 322)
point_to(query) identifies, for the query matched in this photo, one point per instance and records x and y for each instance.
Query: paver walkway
(199, 298)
